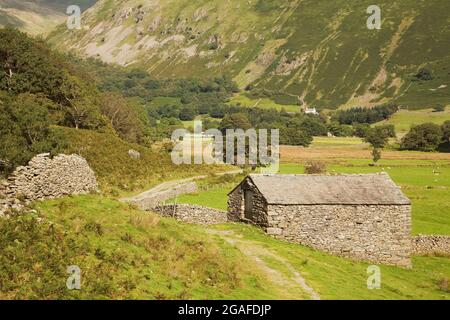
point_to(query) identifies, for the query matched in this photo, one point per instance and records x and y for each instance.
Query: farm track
(293, 281)
(172, 185)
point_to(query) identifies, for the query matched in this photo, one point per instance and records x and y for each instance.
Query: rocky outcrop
(46, 178)
(192, 213)
(135, 155)
(431, 245)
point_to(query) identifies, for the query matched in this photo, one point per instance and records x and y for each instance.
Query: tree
(338, 130)
(361, 129)
(389, 130)
(123, 117)
(28, 65)
(376, 155)
(25, 129)
(235, 121)
(446, 130)
(377, 137)
(188, 113)
(79, 104)
(295, 137)
(217, 111)
(424, 137)
(439, 108)
(365, 115)
(314, 126)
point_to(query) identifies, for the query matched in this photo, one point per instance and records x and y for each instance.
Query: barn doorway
(248, 204)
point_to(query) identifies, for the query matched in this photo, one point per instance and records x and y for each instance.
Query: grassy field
(424, 177)
(264, 103)
(403, 120)
(337, 278)
(333, 149)
(124, 253)
(162, 101)
(213, 197)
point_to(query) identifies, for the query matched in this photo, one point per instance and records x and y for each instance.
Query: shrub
(424, 74)
(315, 167)
(340, 130)
(439, 108)
(444, 285)
(187, 114)
(424, 137)
(446, 130)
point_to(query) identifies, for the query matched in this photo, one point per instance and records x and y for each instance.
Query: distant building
(311, 111)
(361, 216)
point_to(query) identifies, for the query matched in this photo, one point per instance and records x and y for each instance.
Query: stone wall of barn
(374, 233)
(236, 206)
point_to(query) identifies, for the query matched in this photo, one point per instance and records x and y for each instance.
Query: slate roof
(350, 189)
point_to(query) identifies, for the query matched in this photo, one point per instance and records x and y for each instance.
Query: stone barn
(360, 216)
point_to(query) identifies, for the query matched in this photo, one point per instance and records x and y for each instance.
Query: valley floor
(424, 177)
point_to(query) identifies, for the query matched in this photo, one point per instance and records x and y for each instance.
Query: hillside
(124, 253)
(315, 52)
(116, 172)
(403, 120)
(36, 17)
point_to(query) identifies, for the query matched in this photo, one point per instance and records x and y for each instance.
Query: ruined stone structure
(431, 245)
(365, 217)
(46, 178)
(192, 213)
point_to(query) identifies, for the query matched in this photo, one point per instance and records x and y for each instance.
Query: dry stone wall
(192, 213)
(431, 245)
(46, 178)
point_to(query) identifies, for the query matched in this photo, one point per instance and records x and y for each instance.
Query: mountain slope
(316, 52)
(36, 17)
